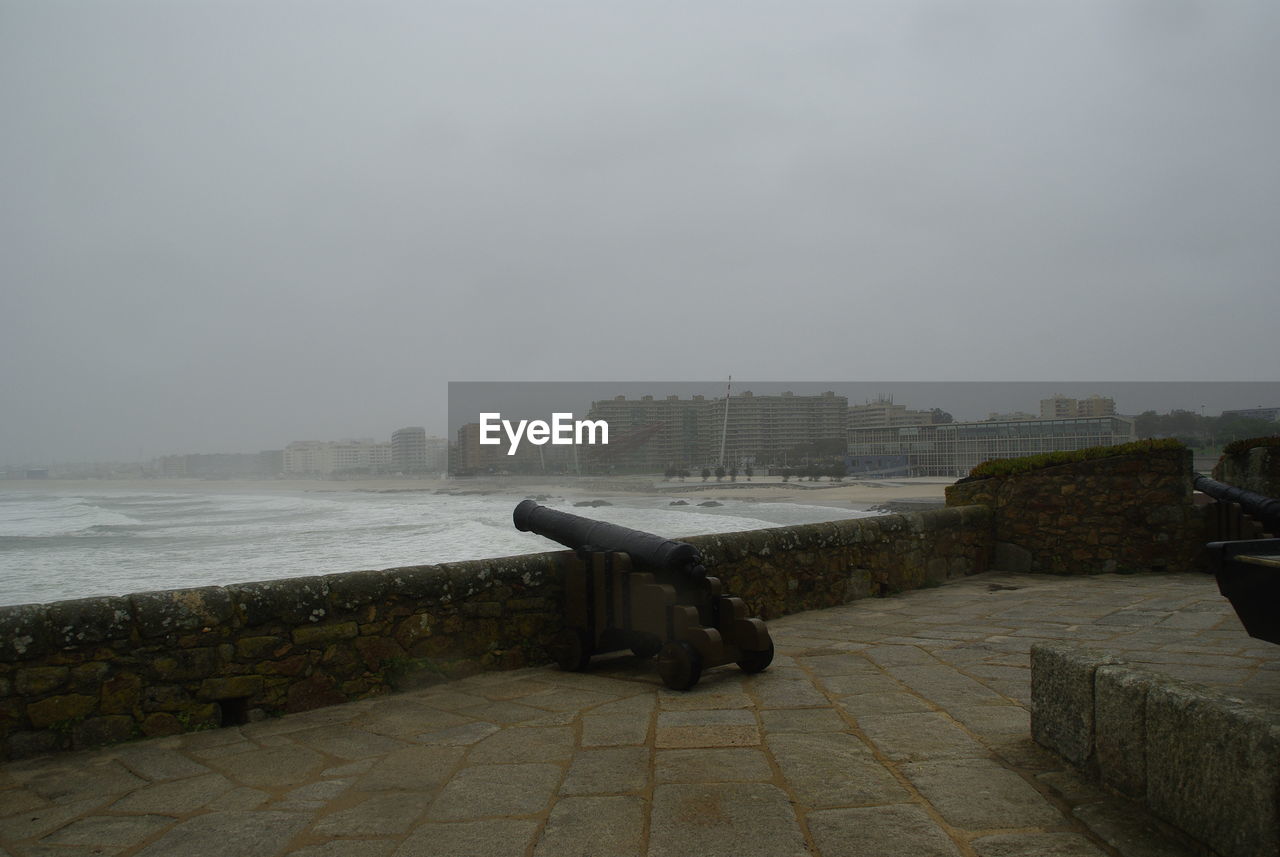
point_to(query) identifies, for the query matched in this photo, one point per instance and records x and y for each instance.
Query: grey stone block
(293, 601)
(178, 610)
(1213, 768)
(90, 620)
(25, 632)
(1062, 700)
(1120, 731)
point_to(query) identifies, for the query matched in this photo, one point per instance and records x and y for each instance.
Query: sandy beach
(853, 494)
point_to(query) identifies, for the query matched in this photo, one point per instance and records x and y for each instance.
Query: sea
(61, 544)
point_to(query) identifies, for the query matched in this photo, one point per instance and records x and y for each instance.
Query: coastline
(857, 495)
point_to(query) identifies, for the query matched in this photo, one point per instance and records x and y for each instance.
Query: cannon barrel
(1265, 509)
(578, 533)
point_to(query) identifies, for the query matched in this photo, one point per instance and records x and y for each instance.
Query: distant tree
(733, 474)
(1227, 429)
(706, 474)
(748, 473)
(1147, 424)
(719, 473)
(940, 416)
(786, 476)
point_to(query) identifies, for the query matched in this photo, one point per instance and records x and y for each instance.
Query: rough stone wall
(1122, 514)
(93, 671)
(1256, 470)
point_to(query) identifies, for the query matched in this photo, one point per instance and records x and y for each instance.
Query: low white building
(325, 458)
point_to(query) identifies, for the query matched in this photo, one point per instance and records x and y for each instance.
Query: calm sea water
(55, 546)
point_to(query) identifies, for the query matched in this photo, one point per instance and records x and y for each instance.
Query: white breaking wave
(57, 547)
(44, 517)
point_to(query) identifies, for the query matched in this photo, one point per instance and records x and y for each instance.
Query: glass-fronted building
(953, 449)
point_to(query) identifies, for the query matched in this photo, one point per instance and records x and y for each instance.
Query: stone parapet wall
(98, 670)
(790, 569)
(1200, 760)
(1121, 514)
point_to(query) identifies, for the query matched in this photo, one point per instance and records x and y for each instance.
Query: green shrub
(1238, 446)
(1013, 466)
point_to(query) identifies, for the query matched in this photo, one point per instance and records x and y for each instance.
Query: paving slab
(833, 769)
(881, 831)
(981, 794)
(894, 726)
(718, 765)
(228, 834)
(607, 770)
(487, 791)
(499, 837)
(724, 820)
(919, 735)
(1036, 845)
(582, 826)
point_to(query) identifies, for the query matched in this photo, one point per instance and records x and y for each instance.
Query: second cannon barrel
(576, 532)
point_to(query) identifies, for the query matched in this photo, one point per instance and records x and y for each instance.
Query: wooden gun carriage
(628, 589)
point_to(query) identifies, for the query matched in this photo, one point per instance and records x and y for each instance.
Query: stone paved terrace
(894, 726)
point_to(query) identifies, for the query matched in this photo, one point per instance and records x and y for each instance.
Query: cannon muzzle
(580, 533)
(1265, 509)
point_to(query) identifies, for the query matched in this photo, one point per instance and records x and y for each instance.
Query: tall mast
(724, 428)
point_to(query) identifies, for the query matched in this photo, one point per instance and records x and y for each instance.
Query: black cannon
(1265, 510)
(628, 589)
(1247, 569)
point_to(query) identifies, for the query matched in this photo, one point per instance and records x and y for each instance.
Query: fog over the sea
(226, 225)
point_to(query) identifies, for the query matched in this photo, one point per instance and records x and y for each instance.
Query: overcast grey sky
(228, 225)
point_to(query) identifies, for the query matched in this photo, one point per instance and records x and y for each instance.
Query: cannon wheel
(646, 646)
(571, 649)
(680, 665)
(756, 661)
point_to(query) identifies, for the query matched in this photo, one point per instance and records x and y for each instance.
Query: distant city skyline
(966, 401)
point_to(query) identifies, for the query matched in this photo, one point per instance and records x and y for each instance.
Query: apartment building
(1059, 407)
(651, 434)
(409, 449)
(883, 413)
